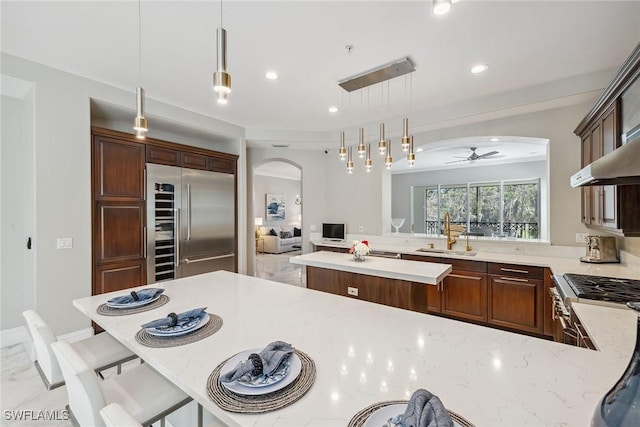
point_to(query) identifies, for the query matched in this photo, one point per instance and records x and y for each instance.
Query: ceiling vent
(280, 145)
(394, 69)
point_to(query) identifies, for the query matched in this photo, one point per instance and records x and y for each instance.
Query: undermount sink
(447, 251)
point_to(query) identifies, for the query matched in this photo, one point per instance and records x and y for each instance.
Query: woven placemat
(213, 325)
(360, 418)
(232, 402)
(110, 311)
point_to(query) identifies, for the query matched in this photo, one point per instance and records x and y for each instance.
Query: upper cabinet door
(119, 169)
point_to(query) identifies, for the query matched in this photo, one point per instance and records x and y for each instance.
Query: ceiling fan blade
(490, 153)
(461, 157)
(456, 161)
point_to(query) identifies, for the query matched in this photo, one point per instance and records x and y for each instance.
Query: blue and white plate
(181, 328)
(133, 304)
(295, 367)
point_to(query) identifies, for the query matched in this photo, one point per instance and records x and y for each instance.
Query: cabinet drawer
(516, 270)
(456, 264)
(163, 156)
(195, 161)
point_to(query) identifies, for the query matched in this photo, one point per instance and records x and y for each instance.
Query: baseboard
(14, 336)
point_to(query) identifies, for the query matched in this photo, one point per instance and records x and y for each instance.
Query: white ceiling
(524, 42)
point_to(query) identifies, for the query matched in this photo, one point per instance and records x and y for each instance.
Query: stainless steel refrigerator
(191, 226)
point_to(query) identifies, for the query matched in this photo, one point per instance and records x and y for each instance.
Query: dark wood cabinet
(392, 292)
(609, 208)
(464, 295)
(516, 297)
(119, 206)
(118, 218)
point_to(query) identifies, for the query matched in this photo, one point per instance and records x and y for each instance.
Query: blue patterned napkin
(424, 410)
(143, 294)
(181, 318)
(270, 357)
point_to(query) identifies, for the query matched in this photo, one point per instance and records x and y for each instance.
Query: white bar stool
(142, 392)
(114, 415)
(101, 351)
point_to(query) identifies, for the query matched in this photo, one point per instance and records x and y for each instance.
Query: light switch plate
(312, 227)
(581, 237)
(361, 229)
(64, 243)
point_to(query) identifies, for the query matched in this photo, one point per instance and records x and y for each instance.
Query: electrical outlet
(361, 229)
(352, 291)
(581, 237)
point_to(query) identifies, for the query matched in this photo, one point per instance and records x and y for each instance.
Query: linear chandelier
(377, 75)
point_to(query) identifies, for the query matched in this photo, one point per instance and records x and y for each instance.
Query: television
(333, 231)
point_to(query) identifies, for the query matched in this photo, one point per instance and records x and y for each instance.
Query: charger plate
(233, 402)
(213, 325)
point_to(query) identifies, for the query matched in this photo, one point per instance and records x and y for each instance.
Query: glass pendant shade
(349, 161)
(382, 145)
(411, 157)
(361, 147)
(221, 79)
(222, 97)
(140, 122)
(368, 163)
(388, 160)
(405, 135)
(343, 150)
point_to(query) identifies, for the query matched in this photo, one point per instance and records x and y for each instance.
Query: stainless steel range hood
(620, 167)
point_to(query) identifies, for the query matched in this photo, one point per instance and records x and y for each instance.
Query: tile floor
(277, 267)
(22, 389)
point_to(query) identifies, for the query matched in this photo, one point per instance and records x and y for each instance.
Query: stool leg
(200, 415)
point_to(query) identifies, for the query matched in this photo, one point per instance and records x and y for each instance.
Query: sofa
(279, 238)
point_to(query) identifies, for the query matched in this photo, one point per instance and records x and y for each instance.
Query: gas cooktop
(604, 288)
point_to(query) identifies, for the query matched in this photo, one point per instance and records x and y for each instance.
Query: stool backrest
(83, 388)
(43, 337)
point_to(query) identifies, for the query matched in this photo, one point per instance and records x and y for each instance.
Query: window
(498, 209)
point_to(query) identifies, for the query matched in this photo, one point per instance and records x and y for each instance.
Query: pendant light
(349, 161)
(382, 145)
(361, 147)
(388, 160)
(221, 78)
(368, 164)
(405, 134)
(411, 157)
(140, 122)
(343, 149)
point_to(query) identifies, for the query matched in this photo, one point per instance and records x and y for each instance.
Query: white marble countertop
(414, 271)
(366, 353)
(558, 265)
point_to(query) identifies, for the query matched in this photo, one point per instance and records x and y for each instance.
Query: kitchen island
(366, 353)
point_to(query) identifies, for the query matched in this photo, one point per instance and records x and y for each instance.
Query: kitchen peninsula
(366, 353)
(389, 281)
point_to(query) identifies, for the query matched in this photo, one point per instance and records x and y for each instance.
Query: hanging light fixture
(368, 163)
(221, 78)
(388, 160)
(405, 134)
(343, 148)
(382, 145)
(140, 122)
(349, 161)
(411, 157)
(361, 147)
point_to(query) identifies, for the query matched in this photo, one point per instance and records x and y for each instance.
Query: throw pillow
(297, 232)
(272, 232)
(285, 235)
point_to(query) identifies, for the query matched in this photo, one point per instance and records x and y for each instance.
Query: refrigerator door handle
(191, 261)
(176, 231)
(188, 212)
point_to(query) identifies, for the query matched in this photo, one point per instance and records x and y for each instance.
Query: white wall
(402, 183)
(272, 185)
(62, 180)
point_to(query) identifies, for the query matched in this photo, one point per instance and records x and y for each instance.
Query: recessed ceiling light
(418, 150)
(495, 139)
(479, 68)
(271, 75)
(440, 7)
(333, 109)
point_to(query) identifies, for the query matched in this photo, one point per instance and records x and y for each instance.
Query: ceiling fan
(474, 156)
